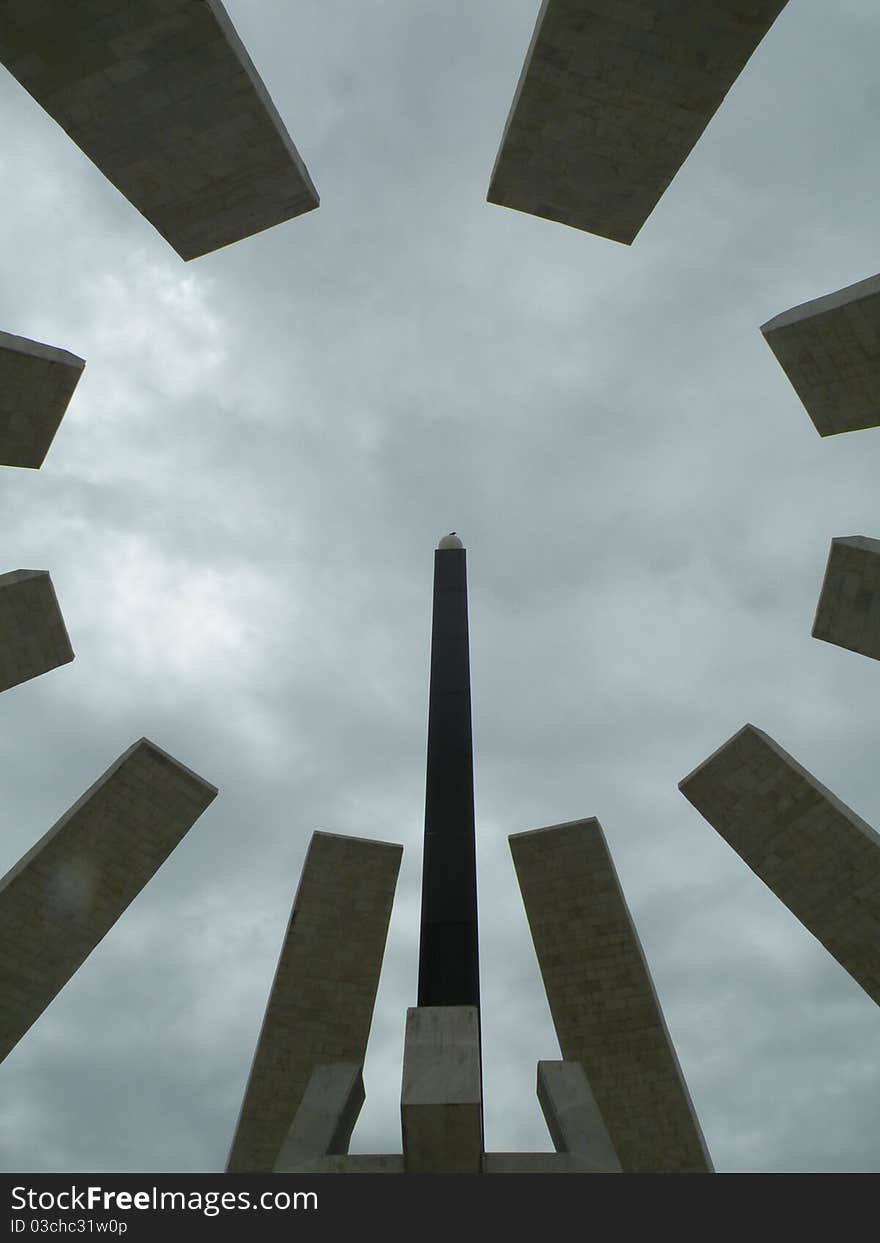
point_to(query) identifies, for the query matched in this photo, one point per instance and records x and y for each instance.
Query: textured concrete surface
(814, 852)
(441, 1095)
(354, 1163)
(572, 1115)
(848, 612)
(612, 97)
(492, 1163)
(830, 350)
(36, 384)
(326, 1117)
(540, 1163)
(68, 891)
(163, 98)
(33, 637)
(602, 999)
(321, 1003)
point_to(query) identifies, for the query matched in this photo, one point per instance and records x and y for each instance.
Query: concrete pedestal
(441, 1096)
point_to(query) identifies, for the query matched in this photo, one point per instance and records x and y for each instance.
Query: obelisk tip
(450, 541)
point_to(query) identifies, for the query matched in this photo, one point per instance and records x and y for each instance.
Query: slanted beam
(68, 891)
(321, 1003)
(162, 96)
(326, 1117)
(612, 97)
(573, 1118)
(440, 1100)
(814, 852)
(848, 612)
(33, 637)
(36, 385)
(830, 350)
(602, 999)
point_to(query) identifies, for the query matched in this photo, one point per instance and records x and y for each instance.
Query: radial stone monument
(618, 1102)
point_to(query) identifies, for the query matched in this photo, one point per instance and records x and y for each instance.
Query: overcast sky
(239, 514)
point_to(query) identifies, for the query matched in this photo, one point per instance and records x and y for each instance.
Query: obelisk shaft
(449, 973)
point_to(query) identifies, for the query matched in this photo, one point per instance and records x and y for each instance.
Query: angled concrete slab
(326, 1117)
(441, 1107)
(36, 385)
(33, 637)
(68, 891)
(612, 97)
(848, 612)
(573, 1118)
(830, 350)
(814, 852)
(162, 96)
(604, 1006)
(321, 1003)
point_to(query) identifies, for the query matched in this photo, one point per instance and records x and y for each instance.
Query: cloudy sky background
(239, 514)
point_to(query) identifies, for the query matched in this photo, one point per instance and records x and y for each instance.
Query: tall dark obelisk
(449, 972)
